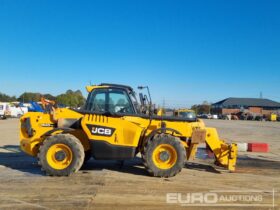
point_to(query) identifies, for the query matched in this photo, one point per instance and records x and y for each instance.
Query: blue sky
(186, 51)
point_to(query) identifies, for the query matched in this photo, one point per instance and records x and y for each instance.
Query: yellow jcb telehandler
(112, 126)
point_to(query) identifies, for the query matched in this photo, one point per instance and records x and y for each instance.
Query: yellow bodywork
(92, 87)
(42, 123)
(273, 117)
(161, 112)
(129, 131)
(178, 111)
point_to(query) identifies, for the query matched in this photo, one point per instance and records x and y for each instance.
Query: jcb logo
(101, 130)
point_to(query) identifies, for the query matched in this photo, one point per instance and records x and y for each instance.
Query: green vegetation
(203, 108)
(70, 98)
(6, 98)
(27, 96)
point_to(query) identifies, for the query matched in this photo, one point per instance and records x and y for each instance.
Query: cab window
(96, 102)
(112, 100)
(119, 102)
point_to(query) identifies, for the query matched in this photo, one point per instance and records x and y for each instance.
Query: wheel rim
(59, 156)
(164, 156)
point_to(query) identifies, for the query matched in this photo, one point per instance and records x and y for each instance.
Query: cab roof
(116, 85)
(108, 85)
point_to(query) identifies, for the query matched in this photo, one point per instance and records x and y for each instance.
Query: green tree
(28, 96)
(203, 108)
(71, 98)
(7, 98)
(49, 96)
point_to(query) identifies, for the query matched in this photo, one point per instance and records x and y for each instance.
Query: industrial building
(258, 106)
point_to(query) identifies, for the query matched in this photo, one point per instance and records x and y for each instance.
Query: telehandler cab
(112, 126)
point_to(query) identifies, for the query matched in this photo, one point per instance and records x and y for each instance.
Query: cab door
(110, 135)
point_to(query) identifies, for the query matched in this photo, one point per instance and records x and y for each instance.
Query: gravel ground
(106, 185)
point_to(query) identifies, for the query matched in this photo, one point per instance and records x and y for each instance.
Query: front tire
(164, 156)
(61, 155)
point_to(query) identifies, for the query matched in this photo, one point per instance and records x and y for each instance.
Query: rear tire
(61, 155)
(164, 156)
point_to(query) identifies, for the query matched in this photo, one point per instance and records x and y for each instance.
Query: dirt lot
(105, 185)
